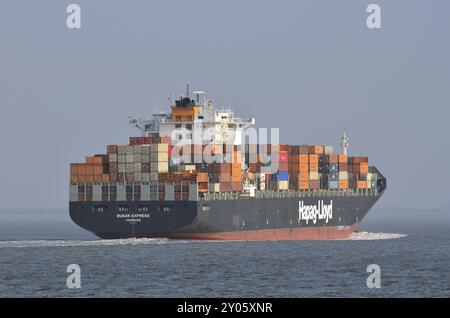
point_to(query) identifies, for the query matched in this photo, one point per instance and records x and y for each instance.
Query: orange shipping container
(304, 168)
(315, 149)
(362, 184)
(73, 169)
(343, 158)
(73, 179)
(237, 158)
(361, 168)
(313, 158)
(236, 168)
(236, 178)
(81, 169)
(360, 159)
(304, 185)
(203, 187)
(343, 184)
(202, 177)
(81, 179)
(95, 159)
(303, 176)
(303, 158)
(313, 166)
(97, 169)
(89, 169)
(105, 178)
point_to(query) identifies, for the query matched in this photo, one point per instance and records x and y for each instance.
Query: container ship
(191, 175)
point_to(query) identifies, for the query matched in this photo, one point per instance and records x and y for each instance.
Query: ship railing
(272, 194)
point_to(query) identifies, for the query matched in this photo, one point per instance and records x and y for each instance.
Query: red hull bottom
(290, 234)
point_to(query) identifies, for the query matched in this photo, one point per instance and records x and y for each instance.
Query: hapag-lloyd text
(320, 211)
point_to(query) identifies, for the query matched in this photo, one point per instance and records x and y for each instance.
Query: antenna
(344, 143)
(187, 90)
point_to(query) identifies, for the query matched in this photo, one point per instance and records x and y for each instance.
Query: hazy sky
(312, 68)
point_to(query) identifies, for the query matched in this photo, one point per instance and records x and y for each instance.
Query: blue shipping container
(282, 176)
(333, 184)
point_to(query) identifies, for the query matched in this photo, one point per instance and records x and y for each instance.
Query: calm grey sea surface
(411, 247)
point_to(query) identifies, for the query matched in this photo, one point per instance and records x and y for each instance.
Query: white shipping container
(343, 175)
(121, 168)
(159, 167)
(129, 150)
(159, 148)
(163, 156)
(214, 187)
(313, 175)
(129, 167)
(122, 149)
(328, 150)
(137, 149)
(137, 167)
(153, 176)
(137, 157)
(145, 158)
(129, 159)
(122, 158)
(160, 156)
(137, 176)
(145, 177)
(283, 185)
(112, 157)
(145, 149)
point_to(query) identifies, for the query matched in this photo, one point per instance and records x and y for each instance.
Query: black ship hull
(291, 218)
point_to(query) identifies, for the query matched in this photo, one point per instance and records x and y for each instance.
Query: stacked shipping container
(145, 161)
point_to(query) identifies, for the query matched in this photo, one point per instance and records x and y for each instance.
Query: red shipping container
(283, 156)
(113, 177)
(314, 184)
(111, 149)
(225, 186)
(236, 186)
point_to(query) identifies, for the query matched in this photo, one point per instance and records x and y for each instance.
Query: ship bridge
(195, 120)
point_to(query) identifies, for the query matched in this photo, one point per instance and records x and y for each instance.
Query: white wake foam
(368, 236)
(74, 243)
(357, 236)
